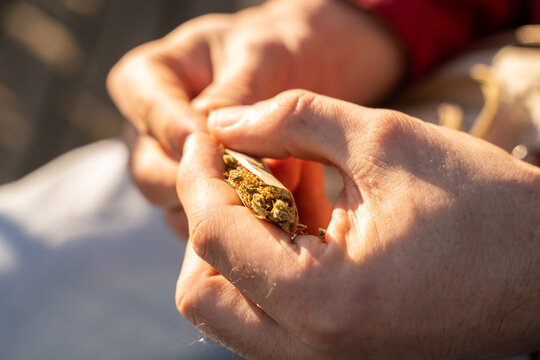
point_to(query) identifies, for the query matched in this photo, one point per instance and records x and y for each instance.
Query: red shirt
(433, 29)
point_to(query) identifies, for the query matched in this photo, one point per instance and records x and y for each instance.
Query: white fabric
(88, 268)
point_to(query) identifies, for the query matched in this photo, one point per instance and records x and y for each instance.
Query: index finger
(153, 89)
(253, 254)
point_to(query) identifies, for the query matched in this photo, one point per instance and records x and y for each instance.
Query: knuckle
(111, 80)
(115, 75)
(295, 105)
(201, 230)
(264, 49)
(383, 139)
(320, 319)
(132, 60)
(387, 127)
(295, 99)
(324, 324)
(324, 328)
(123, 84)
(188, 298)
(185, 302)
(193, 298)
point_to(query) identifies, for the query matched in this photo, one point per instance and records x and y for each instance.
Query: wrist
(518, 317)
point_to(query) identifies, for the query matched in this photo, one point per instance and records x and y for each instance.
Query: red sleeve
(433, 29)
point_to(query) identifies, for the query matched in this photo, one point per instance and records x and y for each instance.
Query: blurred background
(54, 59)
(83, 274)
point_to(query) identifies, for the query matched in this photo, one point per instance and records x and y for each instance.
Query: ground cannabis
(267, 201)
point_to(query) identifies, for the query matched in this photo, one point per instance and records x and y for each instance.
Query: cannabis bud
(261, 192)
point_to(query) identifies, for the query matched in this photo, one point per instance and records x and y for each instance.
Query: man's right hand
(431, 250)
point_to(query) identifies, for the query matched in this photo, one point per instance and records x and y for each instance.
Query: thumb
(296, 123)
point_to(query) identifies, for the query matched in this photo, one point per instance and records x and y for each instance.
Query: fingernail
(226, 117)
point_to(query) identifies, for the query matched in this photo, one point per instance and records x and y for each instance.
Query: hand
(431, 251)
(166, 87)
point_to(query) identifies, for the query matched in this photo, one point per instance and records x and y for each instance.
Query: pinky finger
(152, 170)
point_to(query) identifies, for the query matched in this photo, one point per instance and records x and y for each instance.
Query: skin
(458, 260)
(166, 87)
(431, 251)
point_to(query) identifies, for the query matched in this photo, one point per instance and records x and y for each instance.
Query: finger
(219, 310)
(153, 171)
(287, 171)
(200, 175)
(295, 123)
(251, 253)
(153, 89)
(226, 92)
(258, 74)
(177, 221)
(305, 179)
(314, 208)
